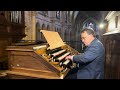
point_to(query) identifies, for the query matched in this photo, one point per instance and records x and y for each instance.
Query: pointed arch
(95, 25)
(89, 19)
(43, 26)
(42, 37)
(76, 14)
(38, 34)
(48, 27)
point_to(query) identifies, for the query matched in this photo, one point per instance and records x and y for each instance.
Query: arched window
(16, 16)
(90, 25)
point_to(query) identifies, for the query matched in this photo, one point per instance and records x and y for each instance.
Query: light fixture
(101, 25)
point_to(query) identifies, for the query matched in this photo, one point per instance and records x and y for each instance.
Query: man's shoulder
(96, 43)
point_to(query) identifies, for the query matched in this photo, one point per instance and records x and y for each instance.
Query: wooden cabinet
(112, 59)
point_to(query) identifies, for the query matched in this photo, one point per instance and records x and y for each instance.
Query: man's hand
(69, 57)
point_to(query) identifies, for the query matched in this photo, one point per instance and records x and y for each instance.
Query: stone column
(52, 20)
(33, 17)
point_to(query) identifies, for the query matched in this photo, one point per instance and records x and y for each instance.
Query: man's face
(86, 38)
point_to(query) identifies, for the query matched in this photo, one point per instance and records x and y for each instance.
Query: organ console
(46, 60)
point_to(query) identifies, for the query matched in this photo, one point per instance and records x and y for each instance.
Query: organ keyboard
(46, 60)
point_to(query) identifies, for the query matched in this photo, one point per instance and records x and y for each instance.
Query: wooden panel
(25, 57)
(17, 76)
(26, 60)
(33, 73)
(9, 32)
(112, 61)
(23, 60)
(53, 39)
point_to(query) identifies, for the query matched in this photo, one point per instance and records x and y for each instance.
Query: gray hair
(89, 31)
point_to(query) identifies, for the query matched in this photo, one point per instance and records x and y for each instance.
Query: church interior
(30, 42)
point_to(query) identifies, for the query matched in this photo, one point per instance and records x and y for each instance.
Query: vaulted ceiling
(97, 15)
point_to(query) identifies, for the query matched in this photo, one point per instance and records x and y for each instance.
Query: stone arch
(88, 21)
(38, 34)
(48, 27)
(42, 37)
(43, 26)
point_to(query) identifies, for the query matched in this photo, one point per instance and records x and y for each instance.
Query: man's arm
(89, 55)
